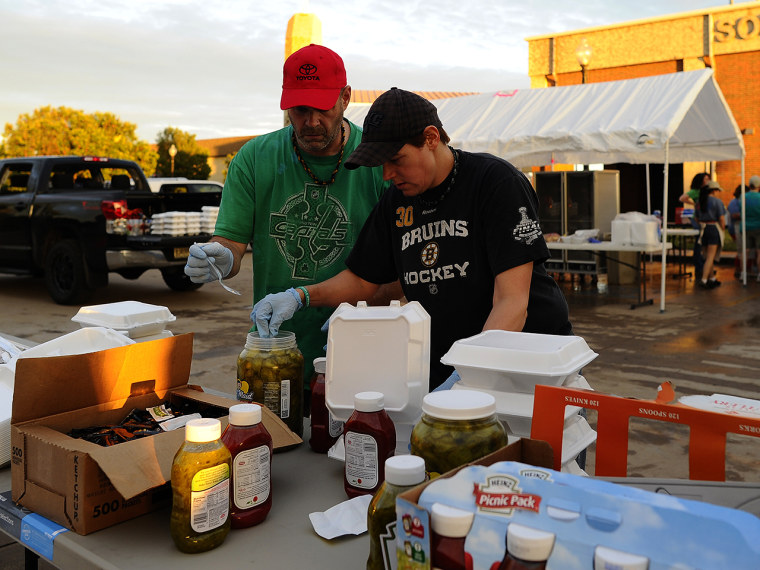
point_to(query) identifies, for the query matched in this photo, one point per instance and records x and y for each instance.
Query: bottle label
(277, 398)
(244, 391)
(388, 546)
(251, 478)
(335, 427)
(361, 460)
(210, 498)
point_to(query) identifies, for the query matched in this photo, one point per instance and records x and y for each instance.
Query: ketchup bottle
(449, 531)
(325, 430)
(527, 548)
(250, 445)
(370, 439)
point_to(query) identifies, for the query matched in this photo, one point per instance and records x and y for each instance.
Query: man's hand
(269, 313)
(197, 266)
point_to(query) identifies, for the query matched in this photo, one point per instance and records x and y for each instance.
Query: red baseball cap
(312, 77)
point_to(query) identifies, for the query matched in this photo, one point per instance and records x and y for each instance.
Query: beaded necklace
(306, 166)
(435, 201)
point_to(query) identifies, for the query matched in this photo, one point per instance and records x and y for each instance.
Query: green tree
(191, 160)
(71, 132)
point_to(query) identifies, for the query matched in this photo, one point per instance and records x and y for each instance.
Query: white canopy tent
(674, 118)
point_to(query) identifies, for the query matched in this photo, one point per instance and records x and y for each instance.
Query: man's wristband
(305, 295)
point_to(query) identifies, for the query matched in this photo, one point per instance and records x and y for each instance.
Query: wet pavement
(705, 342)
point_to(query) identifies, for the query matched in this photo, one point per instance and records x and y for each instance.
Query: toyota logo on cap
(308, 69)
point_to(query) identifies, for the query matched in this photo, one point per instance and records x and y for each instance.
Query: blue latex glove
(271, 311)
(197, 267)
(449, 382)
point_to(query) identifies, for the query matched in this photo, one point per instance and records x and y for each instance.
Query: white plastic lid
(405, 470)
(450, 521)
(369, 401)
(245, 414)
(608, 558)
(529, 544)
(320, 365)
(459, 405)
(203, 430)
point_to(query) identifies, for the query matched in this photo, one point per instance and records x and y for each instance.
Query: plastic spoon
(219, 277)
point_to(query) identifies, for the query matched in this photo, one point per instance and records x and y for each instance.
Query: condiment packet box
(579, 520)
(79, 484)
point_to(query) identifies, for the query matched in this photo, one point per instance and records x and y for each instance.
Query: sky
(214, 69)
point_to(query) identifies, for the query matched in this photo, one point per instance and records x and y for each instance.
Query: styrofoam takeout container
(133, 318)
(515, 409)
(515, 361)
(382, 349)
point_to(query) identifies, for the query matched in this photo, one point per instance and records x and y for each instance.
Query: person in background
(460, 230)
(734, 223)
(289, 195)
(711, 215)
(690, 199)
(752, 221)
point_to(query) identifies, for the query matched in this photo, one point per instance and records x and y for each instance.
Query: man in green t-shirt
(288, 194)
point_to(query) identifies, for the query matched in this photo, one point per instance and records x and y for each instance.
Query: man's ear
(432, 136)
(345, 95)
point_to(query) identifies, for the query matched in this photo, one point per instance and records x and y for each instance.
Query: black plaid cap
(394, 118)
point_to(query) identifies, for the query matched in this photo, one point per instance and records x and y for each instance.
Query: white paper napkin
(348, 517)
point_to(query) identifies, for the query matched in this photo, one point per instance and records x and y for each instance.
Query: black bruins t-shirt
(447, 253)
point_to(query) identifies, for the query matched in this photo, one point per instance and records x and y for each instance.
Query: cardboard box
(581, 517)
(413, 521)
(707, 429)
(81, 485)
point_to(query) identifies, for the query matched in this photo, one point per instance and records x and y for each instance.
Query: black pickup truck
(74, 219)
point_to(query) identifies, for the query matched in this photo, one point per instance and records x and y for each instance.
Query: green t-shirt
(301, 232)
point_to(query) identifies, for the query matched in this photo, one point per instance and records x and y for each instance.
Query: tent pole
(649, 195)
(663, 275)
(744, 229)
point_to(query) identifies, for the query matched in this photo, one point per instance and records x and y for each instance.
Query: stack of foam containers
(192, 223)
(508, 365)
(381, 349)
(169, 224)
(208, 218)
(134, 319)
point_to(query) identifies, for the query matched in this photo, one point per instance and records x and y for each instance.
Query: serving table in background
(602, 248)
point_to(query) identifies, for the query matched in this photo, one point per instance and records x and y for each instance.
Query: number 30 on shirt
(405, 216)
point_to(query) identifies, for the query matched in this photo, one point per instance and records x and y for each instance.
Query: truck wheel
(176, 279)
(65, 274)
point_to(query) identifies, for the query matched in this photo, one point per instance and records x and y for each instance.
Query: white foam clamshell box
(382, 349)
(133, 318)
(509, 361)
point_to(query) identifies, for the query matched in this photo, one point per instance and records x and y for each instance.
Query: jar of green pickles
(456, 427)
(270, 372)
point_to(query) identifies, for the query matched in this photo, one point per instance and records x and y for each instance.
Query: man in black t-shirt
(460, 231)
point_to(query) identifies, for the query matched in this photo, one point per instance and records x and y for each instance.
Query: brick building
(725, 38)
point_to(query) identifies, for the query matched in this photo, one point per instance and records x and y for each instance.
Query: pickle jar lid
(320, 365)
(405, 470)
(459, 404)
(619, 559)
(245, 414)
(369, 401)
(529, 544)
(450, 521)
(203, 430)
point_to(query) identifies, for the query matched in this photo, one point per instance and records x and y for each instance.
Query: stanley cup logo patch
(527, 230)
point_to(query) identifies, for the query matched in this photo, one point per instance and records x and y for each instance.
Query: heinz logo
(501, 494)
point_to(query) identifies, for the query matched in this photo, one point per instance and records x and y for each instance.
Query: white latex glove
(271, 311)
(197, 266)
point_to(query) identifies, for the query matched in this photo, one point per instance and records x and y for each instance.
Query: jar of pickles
(270, 372)
(456, 427)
